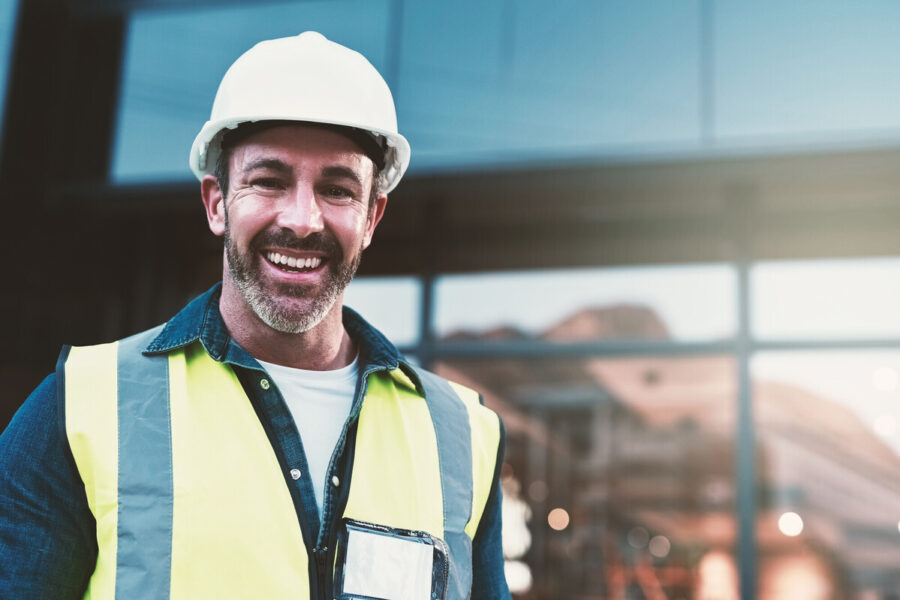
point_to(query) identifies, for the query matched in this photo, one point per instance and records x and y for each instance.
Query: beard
(289, 308)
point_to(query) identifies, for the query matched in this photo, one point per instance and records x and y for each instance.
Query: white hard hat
(303, 78)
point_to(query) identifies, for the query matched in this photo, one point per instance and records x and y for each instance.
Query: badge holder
(375, 562)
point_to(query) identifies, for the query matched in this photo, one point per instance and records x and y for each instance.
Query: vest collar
(201, 321)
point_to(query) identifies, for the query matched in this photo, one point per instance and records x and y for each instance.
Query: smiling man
(266, 442)
(302, 204)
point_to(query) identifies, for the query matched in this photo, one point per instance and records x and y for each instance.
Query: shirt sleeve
(488, 577)
(48, 545)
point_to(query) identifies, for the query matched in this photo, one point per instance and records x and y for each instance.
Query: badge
(375, 562)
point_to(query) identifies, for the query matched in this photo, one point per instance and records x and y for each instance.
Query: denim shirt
(48, 545)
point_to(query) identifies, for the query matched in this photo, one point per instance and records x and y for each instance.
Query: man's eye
(336, 191)
(269, 183)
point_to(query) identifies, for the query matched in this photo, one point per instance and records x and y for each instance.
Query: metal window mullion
(425, 349)
(430, 246)
(707, 70)
(745, 442)
(599, 349)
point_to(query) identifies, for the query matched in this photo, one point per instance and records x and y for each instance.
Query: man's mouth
(294, 264)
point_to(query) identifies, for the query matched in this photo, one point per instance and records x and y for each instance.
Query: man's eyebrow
(339, 171)
(269, 163)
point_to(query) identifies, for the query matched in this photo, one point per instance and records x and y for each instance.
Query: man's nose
(301, 213)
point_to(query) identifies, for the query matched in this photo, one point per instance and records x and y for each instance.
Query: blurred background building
(661, 236)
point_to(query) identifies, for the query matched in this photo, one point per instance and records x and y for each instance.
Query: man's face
(296, 221)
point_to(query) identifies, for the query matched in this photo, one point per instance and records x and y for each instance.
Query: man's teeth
(294, 263)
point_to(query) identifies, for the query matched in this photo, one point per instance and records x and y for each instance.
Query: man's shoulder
(440, 385)
(37, 412)
(102, 354)
(199, 319)
(441, 390)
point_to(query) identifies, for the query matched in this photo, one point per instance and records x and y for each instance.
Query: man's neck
(325, 347)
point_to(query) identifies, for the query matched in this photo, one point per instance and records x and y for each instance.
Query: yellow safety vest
(191, 502)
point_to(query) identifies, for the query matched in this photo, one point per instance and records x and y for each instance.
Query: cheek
(245, 221)
(348, 224)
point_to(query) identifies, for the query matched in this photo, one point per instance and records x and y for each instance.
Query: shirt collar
(201, 321)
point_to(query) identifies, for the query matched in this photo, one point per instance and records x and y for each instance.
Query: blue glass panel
(8, 10)
(808, 70)
(174, 61)
(481, 84)
(476, 83)
(532, 80)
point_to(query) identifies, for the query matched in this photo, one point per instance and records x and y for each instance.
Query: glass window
(470, 92)
(829, 467)
(530, 80)
(826, 299)
(657, 303)
(618, 477)
(809, 70)
(8, 10)
(392, 304)
(174, 60)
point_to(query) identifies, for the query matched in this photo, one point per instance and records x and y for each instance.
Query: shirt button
(295, 474)
(335, 481)
(264, 384)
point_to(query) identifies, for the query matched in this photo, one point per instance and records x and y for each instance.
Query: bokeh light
(558, 519)
(638, 537)
(717, 577)
(518, 576)
(660, 546)
(516, 514)
(790, 524)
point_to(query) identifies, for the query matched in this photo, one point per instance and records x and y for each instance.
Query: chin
(291, 319)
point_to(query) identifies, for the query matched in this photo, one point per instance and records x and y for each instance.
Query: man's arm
(488, 578)
(48, 545)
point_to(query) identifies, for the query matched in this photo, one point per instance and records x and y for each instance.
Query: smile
(289, 263)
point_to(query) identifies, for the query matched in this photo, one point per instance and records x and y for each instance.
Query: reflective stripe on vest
(451, 427)
(143, 557)
(189, 497)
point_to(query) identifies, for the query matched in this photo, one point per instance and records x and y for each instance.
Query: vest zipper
(321, 584)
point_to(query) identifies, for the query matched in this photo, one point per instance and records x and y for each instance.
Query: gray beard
(245, 272)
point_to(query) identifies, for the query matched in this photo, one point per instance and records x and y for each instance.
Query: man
(265, 442)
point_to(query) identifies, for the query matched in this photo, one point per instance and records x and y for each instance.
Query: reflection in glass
(819, 299)
(829, 469)
(392, 304)
(618, 475)
(649, 303)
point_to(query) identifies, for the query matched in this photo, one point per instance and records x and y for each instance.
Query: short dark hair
(371, 146)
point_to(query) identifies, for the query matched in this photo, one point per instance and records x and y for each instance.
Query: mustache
(315, 242)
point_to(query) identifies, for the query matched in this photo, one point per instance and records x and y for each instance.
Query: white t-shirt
(320, 403)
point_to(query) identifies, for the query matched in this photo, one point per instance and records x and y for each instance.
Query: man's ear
(374, 217)
(214, 203)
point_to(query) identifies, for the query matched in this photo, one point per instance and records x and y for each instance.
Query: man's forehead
(291, 144)
(368, 143)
